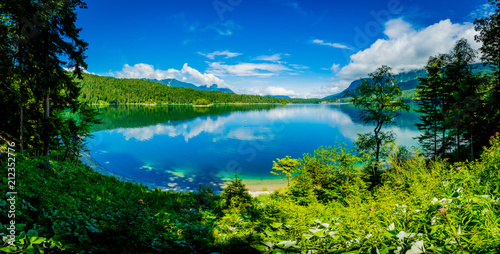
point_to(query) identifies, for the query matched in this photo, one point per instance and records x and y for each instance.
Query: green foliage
(456, 113)
(98, 89)
(201, 102)
(330, 174)
(285, 167)
(379, 100)
(36, 83)
(235, 195)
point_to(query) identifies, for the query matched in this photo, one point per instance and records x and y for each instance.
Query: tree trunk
(435, 137)
(46, 126)
(471, 147)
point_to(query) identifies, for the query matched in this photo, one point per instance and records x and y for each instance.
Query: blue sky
(300, 48)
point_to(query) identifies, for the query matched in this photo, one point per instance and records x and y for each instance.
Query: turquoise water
(182, 147)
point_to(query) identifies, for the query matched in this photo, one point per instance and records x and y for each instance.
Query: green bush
(235, 195)
(201, 101)
(331, 173)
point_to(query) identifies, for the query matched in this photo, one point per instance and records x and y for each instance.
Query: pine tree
(430, 92)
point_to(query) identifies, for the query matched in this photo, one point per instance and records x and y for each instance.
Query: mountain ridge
(176, 83)
(407, 80)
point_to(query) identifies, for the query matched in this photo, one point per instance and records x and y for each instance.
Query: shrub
(236, 195)
(201, 101)
(332, 173)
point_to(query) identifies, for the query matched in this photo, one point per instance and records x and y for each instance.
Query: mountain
(279, 96)
(176, 83)
(407, 80)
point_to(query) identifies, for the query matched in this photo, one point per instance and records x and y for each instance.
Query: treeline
(102, 90)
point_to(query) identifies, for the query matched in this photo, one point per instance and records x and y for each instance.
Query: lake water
(183, 146)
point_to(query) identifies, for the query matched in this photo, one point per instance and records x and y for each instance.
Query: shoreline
(255, 187)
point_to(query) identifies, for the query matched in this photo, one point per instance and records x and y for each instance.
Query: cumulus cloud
(142, 70)
(329, 44)
(205, 78)
(407, 49)
(186, 74)
(225, 53)
(248, 69)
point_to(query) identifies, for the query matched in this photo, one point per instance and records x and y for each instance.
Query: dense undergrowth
(420, 206)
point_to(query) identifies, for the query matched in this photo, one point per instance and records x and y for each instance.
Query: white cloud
(72, 69)
(205, 78)
(299, 66)
(271, 90)
(273, 58)
(397, 27)
(483, 11)
(337, 87)
(224, 28)
(335, 45)
(335, 67)
(225, 53)
(407, 49)
(248, 69)
(143, 70)
(186, 74)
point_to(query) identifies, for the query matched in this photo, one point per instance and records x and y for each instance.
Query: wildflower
(491, 137)
(140, 200)
(441, 209)
(371, 208)
(459, 168)
(143, 210)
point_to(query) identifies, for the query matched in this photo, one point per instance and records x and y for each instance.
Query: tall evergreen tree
(464, 93)
(489, 37)
(430, 92)
(42, 34)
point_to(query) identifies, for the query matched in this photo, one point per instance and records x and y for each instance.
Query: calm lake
(183, 146)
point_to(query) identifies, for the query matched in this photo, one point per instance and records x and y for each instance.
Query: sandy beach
(256, 187)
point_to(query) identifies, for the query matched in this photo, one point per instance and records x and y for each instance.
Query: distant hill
(407, 80)
(176, 83)
(103, 90)
(279, 96)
